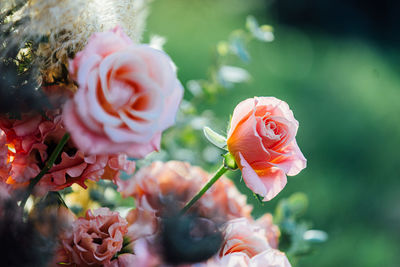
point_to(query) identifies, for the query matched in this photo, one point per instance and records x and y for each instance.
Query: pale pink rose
(240, 235)
(128, 94)
(268, 258)
(160, 184)
(246, 245)
(95, 239)
(262, 140)
(271, 230)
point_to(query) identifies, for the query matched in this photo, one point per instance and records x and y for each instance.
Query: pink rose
(268, 258)
(95, 239)
(262, 140)
(241, 235)
(128, 94)
(246, 244)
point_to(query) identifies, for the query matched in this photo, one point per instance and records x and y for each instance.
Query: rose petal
(267, 183)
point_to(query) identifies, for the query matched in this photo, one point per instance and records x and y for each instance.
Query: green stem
(215, 178)
(46, 168)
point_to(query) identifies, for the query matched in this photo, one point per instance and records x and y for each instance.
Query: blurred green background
(344, 89)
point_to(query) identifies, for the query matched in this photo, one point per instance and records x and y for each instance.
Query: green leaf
(215, 138)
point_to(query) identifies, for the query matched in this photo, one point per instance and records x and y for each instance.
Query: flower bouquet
(89, 178)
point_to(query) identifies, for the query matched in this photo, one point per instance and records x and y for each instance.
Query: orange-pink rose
(128, 94)
(262, 140)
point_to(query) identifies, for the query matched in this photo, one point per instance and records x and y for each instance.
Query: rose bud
(262, 141)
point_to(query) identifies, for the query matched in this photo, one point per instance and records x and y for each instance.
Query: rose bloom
(241, 235)
(262, 140)
(267, 258)
(93, 240)
(128, 94)
(162, 185)
(245, 245)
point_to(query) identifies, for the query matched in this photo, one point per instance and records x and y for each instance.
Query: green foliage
(215, 138)
(296, 236)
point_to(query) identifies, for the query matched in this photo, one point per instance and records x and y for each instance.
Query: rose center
(272, 130)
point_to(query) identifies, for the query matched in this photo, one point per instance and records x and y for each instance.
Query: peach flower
(262, 140)
(95, 239)
(156, 186)
(128, 94)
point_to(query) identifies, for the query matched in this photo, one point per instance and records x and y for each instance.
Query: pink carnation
(95, 239)
(25, 146)
(128, 94)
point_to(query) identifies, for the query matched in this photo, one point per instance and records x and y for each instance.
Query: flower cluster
(28, 143)
(126, 96)
(157, 186)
